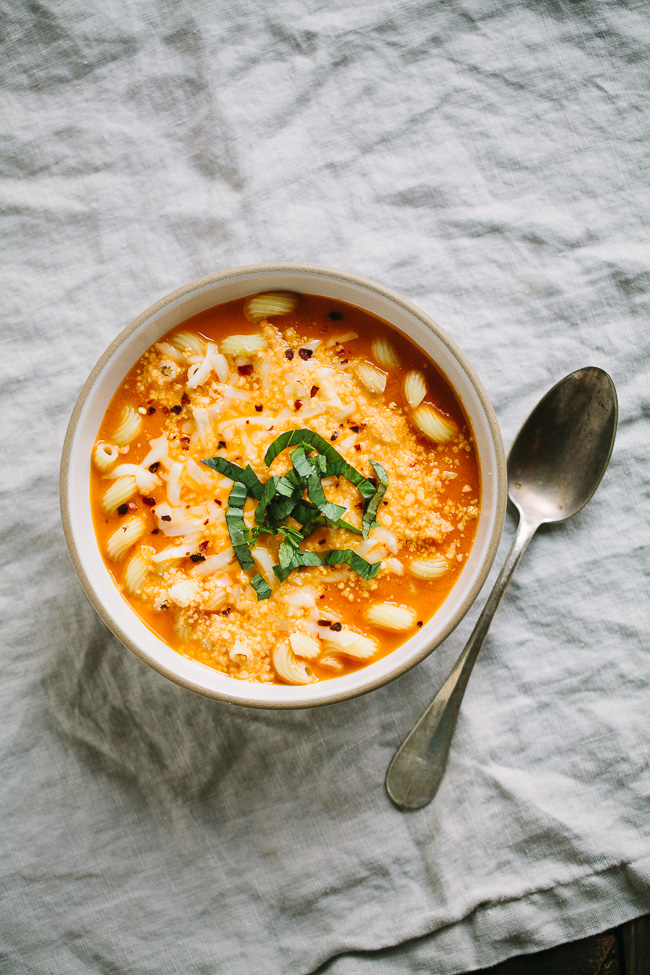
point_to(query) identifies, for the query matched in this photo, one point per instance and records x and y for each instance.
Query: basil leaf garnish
(312, 460)
(237, 530)
(261, 587)
(370, 511)
(367, 570)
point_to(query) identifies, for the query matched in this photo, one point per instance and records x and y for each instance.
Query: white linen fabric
(486, 159)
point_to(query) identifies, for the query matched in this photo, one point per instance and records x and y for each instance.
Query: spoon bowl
(560, 454)
(556, 463)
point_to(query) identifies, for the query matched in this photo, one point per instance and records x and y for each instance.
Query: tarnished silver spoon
(556, 463)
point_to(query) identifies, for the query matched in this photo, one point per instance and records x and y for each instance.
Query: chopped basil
(336, 465)
(370, 512)
(312, 460)
(367, 570)
(237, 530)
(261, 587)
(246, 476)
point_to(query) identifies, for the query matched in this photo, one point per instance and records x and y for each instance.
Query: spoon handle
(416, 770)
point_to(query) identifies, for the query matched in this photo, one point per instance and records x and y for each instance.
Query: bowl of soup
(282, 485)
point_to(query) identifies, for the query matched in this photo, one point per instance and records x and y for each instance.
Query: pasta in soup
(285, 488)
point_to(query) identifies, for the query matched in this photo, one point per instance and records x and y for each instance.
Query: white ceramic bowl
(124, 352)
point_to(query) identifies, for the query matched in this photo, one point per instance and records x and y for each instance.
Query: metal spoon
(556, 463)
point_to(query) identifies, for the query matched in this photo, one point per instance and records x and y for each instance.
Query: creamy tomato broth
(337, 506)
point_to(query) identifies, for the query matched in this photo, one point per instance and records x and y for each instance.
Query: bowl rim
(500, 482)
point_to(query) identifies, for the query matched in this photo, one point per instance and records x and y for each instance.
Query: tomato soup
(285, 488)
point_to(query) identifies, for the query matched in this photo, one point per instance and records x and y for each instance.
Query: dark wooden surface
(621, 951)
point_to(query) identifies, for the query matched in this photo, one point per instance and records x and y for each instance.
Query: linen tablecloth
(487, 160)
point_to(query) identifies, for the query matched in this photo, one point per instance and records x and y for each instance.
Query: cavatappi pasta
(284, 488)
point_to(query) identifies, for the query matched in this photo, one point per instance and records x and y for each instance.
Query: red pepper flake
(336, 627)
(165, 410)
(357, 446)
(297, 405)
(185, 399)
(419, 622)
(289, 354)
(322, 541)
(336, 316)
(203, 545)
(133, 506)
(324, 622)
(226, 611)
(305, 353)
(123, 508)
(360, 505)
(245, 370)
(176, 409)
(152, 409)
(197, 558)
(355, 429)
(217, 501)
(155, 531)
(149, 501)
(344, 361)
(165, 517)
(258, 409)
(154, 467)
(334, 435)
(221, 445)
(313, 391)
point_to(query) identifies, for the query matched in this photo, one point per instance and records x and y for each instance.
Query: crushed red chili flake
(217, 501)
(226, 611)
(152, 409)
(176, 409)
(197, 558)
(322, 541)
(336, 627)
(305, 353)
(419, 622)
(357, 446)
(324, 622)
(336, 316)
(165, 410)
(313, 391)
(165, 517)
(355, 429)
(297, 404)
(360, 505)
(123, 508)
(133, 506)
(185, 399)
(155, 531)
(203, 545)
(289, 354)
(344, 361)
(149, 501)
(245, 370)
(334, 435)
(221, 445)
(259, 408)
